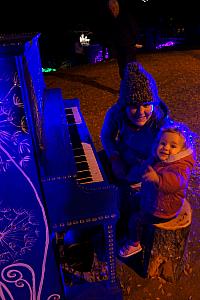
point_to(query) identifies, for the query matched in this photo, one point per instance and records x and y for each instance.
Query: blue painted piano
(51, 182)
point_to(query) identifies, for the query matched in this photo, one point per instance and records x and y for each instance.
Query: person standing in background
(124, 35)
(79, 53)
(116, 27)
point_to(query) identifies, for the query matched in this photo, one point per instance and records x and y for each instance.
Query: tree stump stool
(165, 246)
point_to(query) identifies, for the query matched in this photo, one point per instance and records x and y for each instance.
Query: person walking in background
(164, 183)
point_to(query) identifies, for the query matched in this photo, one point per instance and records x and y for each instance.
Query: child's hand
(151, 175)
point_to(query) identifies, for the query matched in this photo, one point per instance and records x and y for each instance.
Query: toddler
(164, 183)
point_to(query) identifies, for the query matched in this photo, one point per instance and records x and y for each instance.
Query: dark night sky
(88, 14)
(63, 15)
(59, 15)
(85, 11)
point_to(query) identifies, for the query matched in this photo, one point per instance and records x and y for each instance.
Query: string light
(47, 70)
(84, 40)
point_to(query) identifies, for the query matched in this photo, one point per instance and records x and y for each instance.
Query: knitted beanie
(138, 86)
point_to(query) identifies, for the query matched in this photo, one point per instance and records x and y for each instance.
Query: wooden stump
(166, 245)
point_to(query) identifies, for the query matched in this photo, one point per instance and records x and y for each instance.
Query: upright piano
(51, 182)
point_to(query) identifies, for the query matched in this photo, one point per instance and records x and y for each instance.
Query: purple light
(167, 44)
(99, 57)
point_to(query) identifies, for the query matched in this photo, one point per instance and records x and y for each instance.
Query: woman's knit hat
(138, 86)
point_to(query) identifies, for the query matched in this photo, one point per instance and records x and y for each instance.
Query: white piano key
(92, 162)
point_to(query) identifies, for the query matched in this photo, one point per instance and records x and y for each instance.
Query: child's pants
(138, 220)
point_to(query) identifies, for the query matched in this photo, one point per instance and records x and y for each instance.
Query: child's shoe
(129, 250)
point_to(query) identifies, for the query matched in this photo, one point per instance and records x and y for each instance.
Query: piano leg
(110, 245)
(105, 289)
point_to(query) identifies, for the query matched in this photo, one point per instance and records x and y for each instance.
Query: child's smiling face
(170, 143)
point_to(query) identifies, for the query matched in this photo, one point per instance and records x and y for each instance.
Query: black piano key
(79, 151)
(69, 115)
(75, 138)
(85, 180)
(68, 111)
(70, 119)
(81, 158)
(73, 130)
(83, 166)
(76, 143)
(83, 174)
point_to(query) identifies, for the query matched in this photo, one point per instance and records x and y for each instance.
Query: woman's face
(139, 114)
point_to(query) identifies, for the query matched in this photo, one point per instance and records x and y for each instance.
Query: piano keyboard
(87, 167)
(73, 115)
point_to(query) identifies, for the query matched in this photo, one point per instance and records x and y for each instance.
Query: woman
(128, 133)
(131, 125)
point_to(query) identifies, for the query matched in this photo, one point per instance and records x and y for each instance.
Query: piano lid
(57, 156)
(14, 43)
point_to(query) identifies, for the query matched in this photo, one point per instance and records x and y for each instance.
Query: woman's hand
(151, 175)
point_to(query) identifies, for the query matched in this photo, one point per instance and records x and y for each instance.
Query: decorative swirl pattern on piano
(13, 128)
(18, 234)
(11, 274)
(23, 222)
